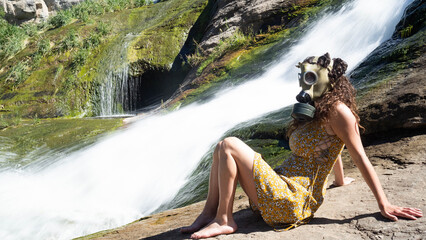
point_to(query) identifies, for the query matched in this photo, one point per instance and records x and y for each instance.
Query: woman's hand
(346, 181)
(392, 212)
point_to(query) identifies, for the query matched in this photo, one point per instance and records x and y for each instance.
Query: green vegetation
(11, 39)
(236, 41)
(378, 69)
(28, 136)
(17, 75)
(85, 9)
(69, 42)
(159, 44)
(79, 59)
(406, 32)
(55, 68)
(62, 18)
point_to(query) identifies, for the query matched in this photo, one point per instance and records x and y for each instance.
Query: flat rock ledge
(349, 212)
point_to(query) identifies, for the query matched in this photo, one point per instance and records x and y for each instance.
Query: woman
(324, 120)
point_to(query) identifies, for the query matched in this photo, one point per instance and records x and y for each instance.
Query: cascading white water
(134, 171)
(115, 92)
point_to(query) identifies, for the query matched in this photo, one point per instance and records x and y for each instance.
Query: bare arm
(346, 128)
(339, 176)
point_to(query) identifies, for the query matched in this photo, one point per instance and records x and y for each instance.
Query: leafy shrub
(69, 83)
(88, 8)
(43, 46)
(62, 18)
(103, 28)
(2, 13)
(79, 59)
(118, 5)
(11, 39)
(17, 74)
(30, 29)
(236, 41)
(139, 3)
(69, 42)
(92, 41)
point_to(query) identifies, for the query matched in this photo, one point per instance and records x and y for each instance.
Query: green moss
(388, 60)
(272, 150)
(52, 135)
(45, 56)
(406, 32)
(157, 46)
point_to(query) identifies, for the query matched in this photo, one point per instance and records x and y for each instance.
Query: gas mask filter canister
(315, 82)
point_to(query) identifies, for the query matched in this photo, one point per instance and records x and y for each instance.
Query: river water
(130, 174)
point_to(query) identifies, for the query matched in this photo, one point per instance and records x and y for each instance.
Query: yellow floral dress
(291, 193)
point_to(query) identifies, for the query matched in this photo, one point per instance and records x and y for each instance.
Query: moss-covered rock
(30, 140)
(157, 47)
(64, 80)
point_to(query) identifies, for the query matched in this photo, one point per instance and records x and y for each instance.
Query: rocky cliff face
(248, 16)
(19, 11)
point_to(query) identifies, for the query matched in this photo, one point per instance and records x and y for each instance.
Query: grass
(12, 37)
(79, 58)
(236, 41)
(70, 42)
(85, 9)
(406, 32)
(17, 75)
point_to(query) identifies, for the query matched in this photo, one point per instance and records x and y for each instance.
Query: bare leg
(210, 209)
(235, 163)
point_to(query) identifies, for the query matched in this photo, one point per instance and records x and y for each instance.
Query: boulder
(55, 5)
(246, 15)
(19, 11)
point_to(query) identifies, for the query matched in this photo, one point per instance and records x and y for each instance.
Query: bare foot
(214, 229)
(201, 221)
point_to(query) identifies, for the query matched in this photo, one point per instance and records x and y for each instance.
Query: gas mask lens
(310, 77)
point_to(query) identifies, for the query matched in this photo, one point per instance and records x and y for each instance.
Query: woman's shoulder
(342, 119)
(341, 110)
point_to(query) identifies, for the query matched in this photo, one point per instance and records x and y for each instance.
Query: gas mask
(315, 82)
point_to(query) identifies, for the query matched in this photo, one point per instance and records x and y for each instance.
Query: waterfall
(117, 93)
(130, 174)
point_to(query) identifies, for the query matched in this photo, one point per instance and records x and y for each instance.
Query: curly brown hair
(342, 91)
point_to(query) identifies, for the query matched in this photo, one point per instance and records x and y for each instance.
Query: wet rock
(390, 80)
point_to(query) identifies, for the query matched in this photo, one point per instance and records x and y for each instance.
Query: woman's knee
(229, 143)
